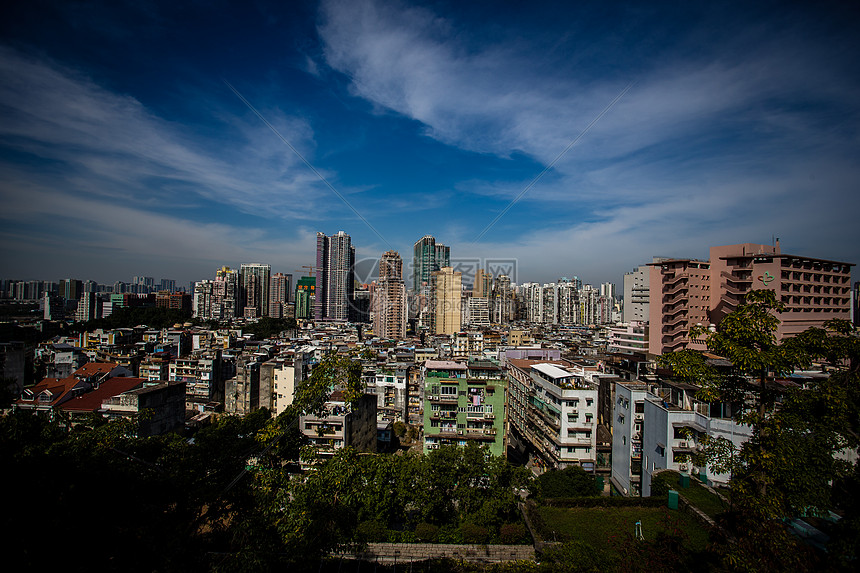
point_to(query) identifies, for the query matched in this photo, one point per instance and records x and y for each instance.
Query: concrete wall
(408, 552)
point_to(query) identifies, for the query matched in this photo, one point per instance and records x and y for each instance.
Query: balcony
(735, 278)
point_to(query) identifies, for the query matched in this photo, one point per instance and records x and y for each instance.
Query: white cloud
(117, 147)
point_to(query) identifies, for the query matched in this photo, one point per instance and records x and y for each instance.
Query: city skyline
(588, 138)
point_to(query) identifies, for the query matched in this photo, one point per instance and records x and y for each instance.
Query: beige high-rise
(389, 298)
(447, 301)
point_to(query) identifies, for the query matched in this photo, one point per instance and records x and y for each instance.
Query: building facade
(552, 413)
(464, 401)
(388, 299)
(687, 292)
(446, 301)
(255, 289)
(335, 277)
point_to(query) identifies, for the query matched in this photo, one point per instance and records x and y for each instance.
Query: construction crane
(310, 270)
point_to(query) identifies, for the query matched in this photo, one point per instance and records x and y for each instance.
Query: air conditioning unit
(460, 432)
(683, 467)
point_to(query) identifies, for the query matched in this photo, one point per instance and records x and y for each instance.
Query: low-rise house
(51, 393)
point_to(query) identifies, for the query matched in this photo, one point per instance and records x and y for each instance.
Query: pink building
(679, 297)
(685, 292)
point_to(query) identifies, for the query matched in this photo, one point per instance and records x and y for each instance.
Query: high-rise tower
(255, 288)
(389, 298)
(428, 257)
(447, 301)
(335, 276)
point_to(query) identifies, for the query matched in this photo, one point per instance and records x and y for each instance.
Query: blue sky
(123, 150)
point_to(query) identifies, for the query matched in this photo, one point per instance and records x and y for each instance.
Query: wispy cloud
(712, 145)
(115, 147)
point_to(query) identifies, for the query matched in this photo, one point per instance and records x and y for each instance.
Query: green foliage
(354, 497)
(601, 501)
(473, 533)
(572, 481)
(399, 429)
(513, 533)
(153, 317)
(426, 532)
(577, 556)
(268, 327)
(333, 372)
(789, 465)
(668, 551)
(371, 532)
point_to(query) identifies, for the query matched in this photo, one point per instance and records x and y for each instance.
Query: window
(449, 390)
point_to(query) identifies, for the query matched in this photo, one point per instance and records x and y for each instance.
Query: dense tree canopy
(793, 464)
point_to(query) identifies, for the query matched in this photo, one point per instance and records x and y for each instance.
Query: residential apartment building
(279, 295)
(630, 340)
(552, 413)
(164, 404)
(446, 301)
(305, 296)
(389, 384)
(226, 294)
(680, 297)
(335, 283)
(658, 425)
(637, 293)
(255, 279)
(388, 299)
(627, 425)
(686, 292)
(288, 371)
(464, 401)
(202, 374)
(344, 425)
(428, 257)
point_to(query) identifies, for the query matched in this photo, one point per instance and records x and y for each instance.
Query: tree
(572, 481)
(790, 463)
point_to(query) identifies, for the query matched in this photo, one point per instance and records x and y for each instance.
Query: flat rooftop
(552, 371)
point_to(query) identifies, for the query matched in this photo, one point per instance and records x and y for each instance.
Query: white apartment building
(553, 412)
(289, 370)
(666, 421)
(627, 422)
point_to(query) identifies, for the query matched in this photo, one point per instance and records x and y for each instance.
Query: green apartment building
(464, 401)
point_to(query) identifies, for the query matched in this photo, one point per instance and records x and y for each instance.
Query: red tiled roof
(92, 401)
(57, 387)
(92, 368)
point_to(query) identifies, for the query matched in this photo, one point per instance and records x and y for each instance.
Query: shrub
(426, 532)
(512, 533)
(450, 534)
(371, 532)
(577, 556)
(569, 482)
(653, 501)
(476, 534)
